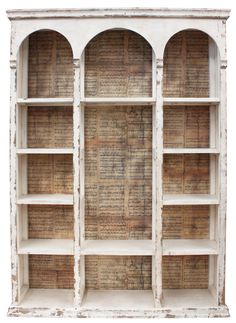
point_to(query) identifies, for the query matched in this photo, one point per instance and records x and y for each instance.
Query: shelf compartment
(190, 101)
(47, 151)
(191, 151)
(190, 127)
(186, 174)
(119, 101)
(47, 221)
(187, 221)
(49, 174)
(48, 298)
(118, 173)
(190, 199)
(188, 298)
(175, 247)
(118, 272)
(114, 299)
(123, 72)
(40, 102)
(44, 199)
(186, 65)
(50, 65)
(46, 247)
(186, 272)
(117, 247)
(46, 127)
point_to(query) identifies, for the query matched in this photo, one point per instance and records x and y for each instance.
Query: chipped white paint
(79, 27)
(76, 168)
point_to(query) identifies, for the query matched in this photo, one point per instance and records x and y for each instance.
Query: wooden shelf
(178, 247)
(117, 247)
(119, 101)
(48, 298)
(114, 299)
(190, 199)
(188, 298)
(191, 101)
(46, 247)
(190, 151)
(55, 199)
(27, 151)
(45, 101)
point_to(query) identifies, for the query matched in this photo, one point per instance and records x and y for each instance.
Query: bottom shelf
(186, 298)
(114, 299)
(48, 298)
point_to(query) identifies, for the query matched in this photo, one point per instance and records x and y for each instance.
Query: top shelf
(191, 101)
(45, 101)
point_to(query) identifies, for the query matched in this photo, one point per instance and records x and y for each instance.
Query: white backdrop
(5, 284)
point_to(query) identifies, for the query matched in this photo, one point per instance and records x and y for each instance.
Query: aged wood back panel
(186, 65)
(50, 68)
(118, 172)
(185, 222)
(50, 222)
(189, 174)
(50, 127)
(186, 127)
(118, 272)
(185, 271)
(51, 271)
(50, 174)
(118, 63)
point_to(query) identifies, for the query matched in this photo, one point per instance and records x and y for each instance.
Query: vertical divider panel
(214, 78)
(158, 164)
(76, 167)
(222, 185)
(13, 174)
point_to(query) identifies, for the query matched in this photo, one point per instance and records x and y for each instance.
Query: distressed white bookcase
(118, 162)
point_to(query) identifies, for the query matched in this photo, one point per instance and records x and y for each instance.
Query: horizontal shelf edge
(191, 101)
(118, 101)
(190, 199)
(190, 151)
(117, 247)
(44, 199)
(45, 101)
(25, 151)
(184, 247)
(46, 247)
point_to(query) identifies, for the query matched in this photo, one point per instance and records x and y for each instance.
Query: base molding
(219, 311)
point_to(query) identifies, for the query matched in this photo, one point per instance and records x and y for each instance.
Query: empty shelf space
(191, 101)
(190, 151)
(117, 247)
(176, 247)
(25, 151)
(114, 299)
(46, 247)
(187, 298)
(47, 298)
(190, 199)
(119, 101)
(55, 199)
(45, 101)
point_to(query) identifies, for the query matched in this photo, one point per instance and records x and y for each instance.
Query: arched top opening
(118, 63)
(190, 59)
(46, 63)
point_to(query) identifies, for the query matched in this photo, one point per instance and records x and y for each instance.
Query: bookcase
(118, 163)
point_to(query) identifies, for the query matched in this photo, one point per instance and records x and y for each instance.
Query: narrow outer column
(13, 163)
(158, 155)
(76, 170)
(223, 184)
